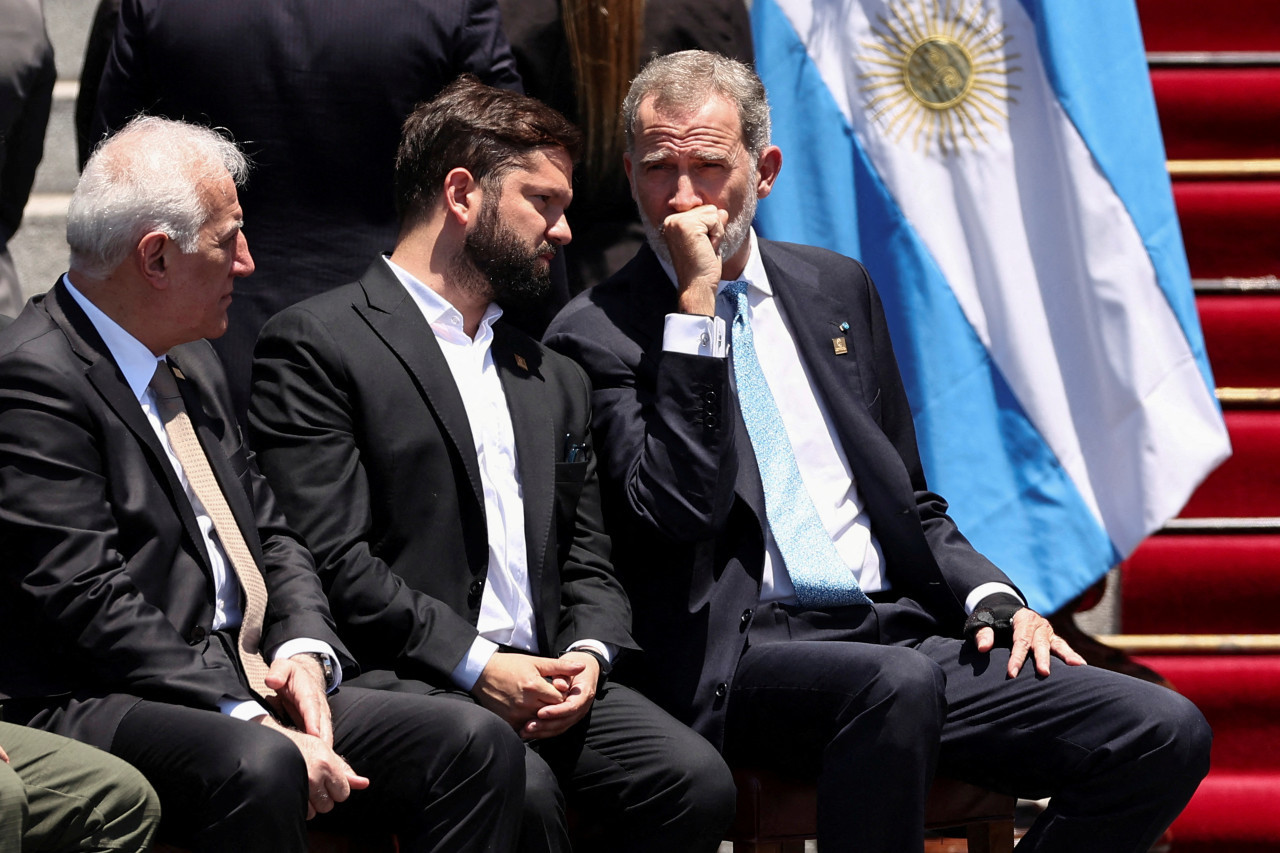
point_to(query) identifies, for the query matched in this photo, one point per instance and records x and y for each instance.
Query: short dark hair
(469, 125)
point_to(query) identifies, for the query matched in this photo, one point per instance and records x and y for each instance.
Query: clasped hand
(299, 685)
(538, 697)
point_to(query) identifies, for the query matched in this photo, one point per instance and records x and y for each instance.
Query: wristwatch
(326, 666)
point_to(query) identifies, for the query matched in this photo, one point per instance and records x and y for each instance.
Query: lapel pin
(839, 345)
(844, 327)
(522, 364)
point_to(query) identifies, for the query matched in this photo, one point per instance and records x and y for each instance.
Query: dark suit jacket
(107, 585)
(682, 491)
(316, 91)
(363, 434)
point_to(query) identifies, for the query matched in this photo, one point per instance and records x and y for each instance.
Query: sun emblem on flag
(938, 73)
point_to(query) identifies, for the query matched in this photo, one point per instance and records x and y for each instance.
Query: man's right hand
(330, 780)
(693, 238)
(515, 686)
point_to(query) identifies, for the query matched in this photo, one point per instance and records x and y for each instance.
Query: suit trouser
(59, 794)
(638, 779)
(850, 694)
(442, 776)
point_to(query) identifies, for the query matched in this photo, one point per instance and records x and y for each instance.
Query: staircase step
(1231, 813)
(1238, 695)
(1190, 25)
(1242, 337)
(1229, 227)
(1248, 484)
(1163, 586)
(1219, 113)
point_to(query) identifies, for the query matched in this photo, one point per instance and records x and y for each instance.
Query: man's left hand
(1032, 634)
(580, 693)
(299, 685)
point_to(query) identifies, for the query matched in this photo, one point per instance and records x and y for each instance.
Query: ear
(462, 195)
(767, 170)
(153, 255)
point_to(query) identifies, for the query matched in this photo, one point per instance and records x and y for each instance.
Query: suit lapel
(397, 320)
(518, 361)
(105, 377)
(815, 318)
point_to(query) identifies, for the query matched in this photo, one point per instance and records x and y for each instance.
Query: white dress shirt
(824, 467)
(138, 364)
(506, 605)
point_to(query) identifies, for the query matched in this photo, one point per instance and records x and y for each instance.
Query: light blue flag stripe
(1113, 108)
(1019, 506)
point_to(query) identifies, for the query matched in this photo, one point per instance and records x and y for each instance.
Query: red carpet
(1230, 228)
(1242, 336)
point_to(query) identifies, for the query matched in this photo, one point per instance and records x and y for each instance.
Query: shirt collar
(135, 360)
(753, 273)
(437, 310)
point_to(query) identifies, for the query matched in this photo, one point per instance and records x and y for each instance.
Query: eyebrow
(706, 155)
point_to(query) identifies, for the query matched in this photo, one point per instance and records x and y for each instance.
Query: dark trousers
(858, 697)
(637, 779)
(443, 776)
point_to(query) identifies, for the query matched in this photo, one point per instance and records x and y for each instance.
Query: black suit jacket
(682, 491)
(363, 434)
(107, 585)
(316, 92)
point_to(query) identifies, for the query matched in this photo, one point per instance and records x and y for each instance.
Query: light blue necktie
(819, 575)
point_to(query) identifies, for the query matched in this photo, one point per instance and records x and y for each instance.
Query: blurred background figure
(315, 91)
(27, 76)
(579, 56)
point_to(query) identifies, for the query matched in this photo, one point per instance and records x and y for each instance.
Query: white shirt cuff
(607, 651)
(983, 590)
(243, 710)
(694, 334)
(468, 671)
(306, 646)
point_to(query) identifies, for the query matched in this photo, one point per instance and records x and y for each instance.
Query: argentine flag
(998, 167)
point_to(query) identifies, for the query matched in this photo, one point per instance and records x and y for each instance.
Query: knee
(269, 776)
(485, 749)
(130, 800)
(910, 684)
(1179, 737)
(14, 808)
(543, 798)
(708, 787)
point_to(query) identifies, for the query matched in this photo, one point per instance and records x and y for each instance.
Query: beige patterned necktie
(205, 486)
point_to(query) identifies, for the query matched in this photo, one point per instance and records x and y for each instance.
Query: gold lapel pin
(839, 345)
(522, 364)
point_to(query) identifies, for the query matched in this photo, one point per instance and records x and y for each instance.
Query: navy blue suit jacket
(682, 491)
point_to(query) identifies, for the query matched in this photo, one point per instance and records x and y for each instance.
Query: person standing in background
(27, 75)
(316, 91)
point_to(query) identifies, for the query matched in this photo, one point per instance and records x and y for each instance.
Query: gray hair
(146, 177)
(682, 81)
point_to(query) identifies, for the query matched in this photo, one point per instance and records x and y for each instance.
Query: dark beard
(514, 273)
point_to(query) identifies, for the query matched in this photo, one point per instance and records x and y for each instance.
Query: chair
(777, 813)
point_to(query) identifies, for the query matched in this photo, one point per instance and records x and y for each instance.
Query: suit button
(746, 618)
(722, 690)
(710, 398)
(198, 634)
(477, 586)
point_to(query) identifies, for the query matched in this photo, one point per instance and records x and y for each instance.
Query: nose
(559, 232)
(686, 196)
(243, 264)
